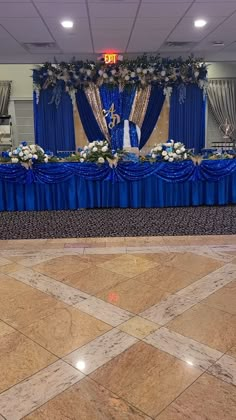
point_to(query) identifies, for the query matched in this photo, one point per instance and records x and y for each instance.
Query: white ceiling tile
(151, 43)
(62, 10)
(203, 10)
(167, 1)
(186, 31)
(115, 42)
(80, 28)
(75, 45)
(113, 9)
(27, 30)
(20, 9)
(112, 24)
(157, 24)
(162, 9)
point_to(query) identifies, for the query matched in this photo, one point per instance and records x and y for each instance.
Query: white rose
(15, 152)
(132, 74)
(166, 157)
(170, 154)
(85, 147)
(174, 155)
(35, 157)
(139, 70)
(90, 146)
(82, 153)
(178, 152)
(171, 159)
(153, 156)
(185, 156)
(21, 154)
(159, 148)
(113, 72)
(94, 149)
(154, 150)
(10, 153)
(100, 72)
(101, 160)
(104, 149)
(81, 160)
(151, 69)
(15, 160)
(182, 149)
(105, 76)
(127, 78)
(26, 152)
(164, 153)
(89, 72)
(163, 73)
(145, 71)
(176, 145)
(30, 156)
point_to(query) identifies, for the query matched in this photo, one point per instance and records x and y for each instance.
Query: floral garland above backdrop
(140, 72)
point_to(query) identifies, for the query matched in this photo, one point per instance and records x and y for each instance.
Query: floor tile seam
(218, 377)
(178, 396)
(215, 307)
(120, 397)
(27, 378)
(204, 370)
(74, 305)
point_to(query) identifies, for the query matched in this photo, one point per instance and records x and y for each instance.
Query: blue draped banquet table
(69, 185)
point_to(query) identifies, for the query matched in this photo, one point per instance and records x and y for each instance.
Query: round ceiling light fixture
(68, 24)
(200, 23)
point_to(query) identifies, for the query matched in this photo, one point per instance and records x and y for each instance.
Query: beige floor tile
(168, 278)
(133, 295)
(195, 263)
(5, 329)
(207, 399)
(20, 358)
(87, 400)
(65, 330)
(96, 258)
(93, 279)
(60, 267)
(210, 326)
(232, 351)
(138, 327)
(10, 288)
(224, 299)
(128, 265)
(146, 377)
(27, 307)
(9, 268)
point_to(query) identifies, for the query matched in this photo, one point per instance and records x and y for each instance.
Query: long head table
(59, 186)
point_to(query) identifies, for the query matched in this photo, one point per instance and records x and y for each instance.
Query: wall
(20, 74)
(221, 70)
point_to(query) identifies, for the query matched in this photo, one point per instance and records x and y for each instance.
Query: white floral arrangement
(97, 151)
(28, 154)
(169, 152)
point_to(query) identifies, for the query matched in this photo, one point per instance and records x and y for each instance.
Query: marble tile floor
(118, 328)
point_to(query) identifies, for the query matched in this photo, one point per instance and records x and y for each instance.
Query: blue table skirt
(78, 192)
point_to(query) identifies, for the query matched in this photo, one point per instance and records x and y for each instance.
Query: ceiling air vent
(174, 44)
(41, 47)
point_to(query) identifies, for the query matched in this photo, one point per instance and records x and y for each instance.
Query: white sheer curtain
(222, 98)
(5, 91)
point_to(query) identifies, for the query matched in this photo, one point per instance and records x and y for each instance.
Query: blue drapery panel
(187, 120)
(52, 173)
(54, 126)
(88, 120)
(122, 100)
(154, 108)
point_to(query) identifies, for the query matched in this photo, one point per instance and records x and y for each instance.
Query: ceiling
(125, 26)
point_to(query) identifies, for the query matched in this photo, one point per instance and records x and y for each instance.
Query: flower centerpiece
(169, 152)
(97, 151)
(26, 154)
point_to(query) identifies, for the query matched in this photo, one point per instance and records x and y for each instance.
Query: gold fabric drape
(93, 96)
(139, 107)
(160, 133)
(80, 136)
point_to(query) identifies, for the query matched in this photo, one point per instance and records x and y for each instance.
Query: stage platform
(70, 186)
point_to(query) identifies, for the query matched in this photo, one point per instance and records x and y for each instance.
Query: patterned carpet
(118, 222)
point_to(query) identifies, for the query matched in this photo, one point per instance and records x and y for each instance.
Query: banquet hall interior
(117, 210)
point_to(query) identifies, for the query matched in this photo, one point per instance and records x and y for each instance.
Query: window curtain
(54, 126)
(154, 107)
(222, 99)
(88, 119)
(5, 92)
(187, 120)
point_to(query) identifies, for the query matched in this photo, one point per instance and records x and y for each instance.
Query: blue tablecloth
(59, 186)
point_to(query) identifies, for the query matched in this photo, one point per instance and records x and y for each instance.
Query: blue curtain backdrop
(54, 126)
(154, 108)
(187, 120)
(122, 100)
(88, 119)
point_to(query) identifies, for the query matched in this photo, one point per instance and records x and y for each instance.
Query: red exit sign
(110, 58)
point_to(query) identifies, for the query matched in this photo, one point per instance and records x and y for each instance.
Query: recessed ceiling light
(199, 23)
(67, 24)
